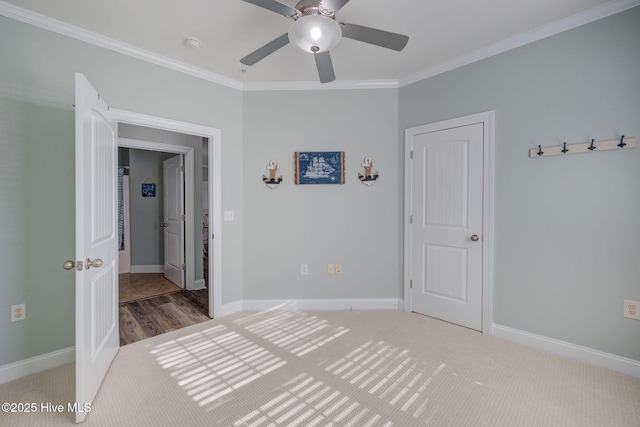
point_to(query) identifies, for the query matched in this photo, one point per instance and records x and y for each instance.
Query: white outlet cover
(228, 215)
(631, 309)
(18, 312)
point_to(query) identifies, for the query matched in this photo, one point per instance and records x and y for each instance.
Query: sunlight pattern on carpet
(295, 331)
(390, 374)
(307, 401)
(215, 362)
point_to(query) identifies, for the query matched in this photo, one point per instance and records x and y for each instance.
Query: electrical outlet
(304, 269)
(18, 312)
(330, 269)
(338, 268)
(632, 309)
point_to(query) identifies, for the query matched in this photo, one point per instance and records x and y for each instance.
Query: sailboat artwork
(319, 167)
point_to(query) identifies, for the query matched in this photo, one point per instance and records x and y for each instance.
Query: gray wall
(37, 173)
(147, 240)
(351, 224)
(566, 228)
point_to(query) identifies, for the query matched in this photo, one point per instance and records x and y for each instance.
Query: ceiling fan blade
(275, 6)
(265, 50)
(325, 67)
(373, 36)
(334, 5)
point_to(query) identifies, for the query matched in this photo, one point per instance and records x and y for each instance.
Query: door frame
(487, 118)
(215, 197)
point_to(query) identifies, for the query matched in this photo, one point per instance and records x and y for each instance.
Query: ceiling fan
(315, 30)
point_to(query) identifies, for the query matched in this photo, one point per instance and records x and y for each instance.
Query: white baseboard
(199, 284)
(583, 354)
(44, 362)
(229, 308)
(147, 268)
(322, 304)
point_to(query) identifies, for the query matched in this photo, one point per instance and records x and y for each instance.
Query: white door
(446, 229)
(173, 223)
(97, 334)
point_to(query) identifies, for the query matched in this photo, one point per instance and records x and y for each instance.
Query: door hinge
(184, 266)
(410, 219)
(181, 168)
(411, 154)
(184, 217)
(410, 284)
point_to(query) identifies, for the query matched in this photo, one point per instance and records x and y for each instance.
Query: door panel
(173, 222)
(97, 334)
(445, 272)
(446, 192)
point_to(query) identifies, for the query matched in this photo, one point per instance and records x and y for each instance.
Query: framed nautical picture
(319, 167)
(148, 190)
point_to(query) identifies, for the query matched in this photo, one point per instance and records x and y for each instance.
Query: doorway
(159, 290)
(448, 220)
(213, 177)
(150, 259)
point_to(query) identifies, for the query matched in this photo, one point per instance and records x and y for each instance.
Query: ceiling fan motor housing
(313, 7)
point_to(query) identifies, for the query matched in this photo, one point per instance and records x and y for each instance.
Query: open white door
(97, 334)
(173, 223)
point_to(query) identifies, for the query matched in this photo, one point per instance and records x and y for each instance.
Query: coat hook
(592, 147)
(622, 144)
(540, 152)
(564, 147)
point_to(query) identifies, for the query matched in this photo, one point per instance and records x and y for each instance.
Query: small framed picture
(319, 167)
(148, 190)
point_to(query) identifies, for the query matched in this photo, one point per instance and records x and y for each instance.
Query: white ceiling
(443, 34)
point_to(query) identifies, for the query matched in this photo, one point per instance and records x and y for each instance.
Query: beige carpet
(341, 368)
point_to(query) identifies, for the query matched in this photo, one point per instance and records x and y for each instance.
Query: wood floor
(151, 315)
(137, 286)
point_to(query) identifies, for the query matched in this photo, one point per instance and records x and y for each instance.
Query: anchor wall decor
(271, 181)
(368, 178)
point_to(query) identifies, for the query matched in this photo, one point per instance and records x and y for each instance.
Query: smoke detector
(192, 42)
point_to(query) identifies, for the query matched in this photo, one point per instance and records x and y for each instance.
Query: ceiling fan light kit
(315, 33)
(315, 30)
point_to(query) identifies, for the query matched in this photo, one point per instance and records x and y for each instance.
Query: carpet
(339, 368)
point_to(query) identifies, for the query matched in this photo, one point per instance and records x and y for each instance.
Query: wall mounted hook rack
(583, 147)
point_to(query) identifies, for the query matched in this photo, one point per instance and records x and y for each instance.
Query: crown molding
(53, 25)
(59, 27)
(313, 85)
(540, 33)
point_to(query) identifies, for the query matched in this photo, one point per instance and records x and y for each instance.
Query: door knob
(475, 238)
(97, 263)
(69, 265)
(163, 224)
